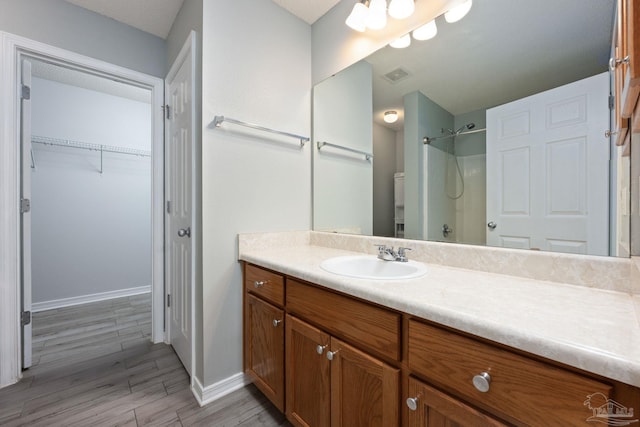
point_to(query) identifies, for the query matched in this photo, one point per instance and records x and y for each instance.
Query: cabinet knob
(320, 348)
(412, 403)
(260, 283)
(614, 62)
(276, 323)
(332, 354)
(482, 382)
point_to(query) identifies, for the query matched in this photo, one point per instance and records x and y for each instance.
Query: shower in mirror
(453, 158)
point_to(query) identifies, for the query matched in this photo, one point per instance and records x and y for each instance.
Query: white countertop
(591, 329)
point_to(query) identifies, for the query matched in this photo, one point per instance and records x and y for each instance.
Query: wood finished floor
(94, 365)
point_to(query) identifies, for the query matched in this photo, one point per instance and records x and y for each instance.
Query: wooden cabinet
(331, 383)
(308, 375)
(264, 340)
(432, 408)
(364, 390)
(521, 390)
(327, 359)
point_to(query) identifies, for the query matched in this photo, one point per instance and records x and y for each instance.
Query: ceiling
(501, 51)
(156, 16)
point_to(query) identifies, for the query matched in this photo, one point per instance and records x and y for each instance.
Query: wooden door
(308, 375)
(429, 407)
(264, 348)
(548, 170)
(179, 140)
(364, 390)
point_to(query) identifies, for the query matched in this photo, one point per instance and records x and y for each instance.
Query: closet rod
(218, 120)
(367, 156)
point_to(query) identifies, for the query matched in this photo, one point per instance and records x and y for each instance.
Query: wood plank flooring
(94, 365)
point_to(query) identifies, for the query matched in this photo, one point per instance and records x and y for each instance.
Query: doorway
(90, 195)
(14, 50)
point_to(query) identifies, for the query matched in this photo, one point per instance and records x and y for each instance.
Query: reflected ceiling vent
(396, 75)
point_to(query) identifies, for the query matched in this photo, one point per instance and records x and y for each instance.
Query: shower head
(468, 126)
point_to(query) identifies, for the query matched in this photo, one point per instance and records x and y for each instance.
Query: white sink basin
(370, 267)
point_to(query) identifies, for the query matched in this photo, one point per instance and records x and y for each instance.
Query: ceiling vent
(396, 75)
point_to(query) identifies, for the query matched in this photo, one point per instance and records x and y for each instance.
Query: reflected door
(548, 170)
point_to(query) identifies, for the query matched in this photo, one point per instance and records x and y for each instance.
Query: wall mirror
(469, 92)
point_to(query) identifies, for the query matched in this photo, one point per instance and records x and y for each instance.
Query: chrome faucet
(387, 253)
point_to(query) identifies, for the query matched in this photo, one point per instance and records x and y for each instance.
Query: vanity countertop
(591, 329)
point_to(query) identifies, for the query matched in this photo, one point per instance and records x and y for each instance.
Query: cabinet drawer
(521, 389)
(367, 326)
(267, 284)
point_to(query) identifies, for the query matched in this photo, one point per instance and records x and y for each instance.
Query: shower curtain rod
(427, 140)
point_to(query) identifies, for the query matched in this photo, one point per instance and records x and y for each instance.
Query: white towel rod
(367, 156)
(218, 120)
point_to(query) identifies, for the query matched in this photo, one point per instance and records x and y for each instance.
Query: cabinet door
(264, 348)
(431, 408)
(364, 390)
(308, 375)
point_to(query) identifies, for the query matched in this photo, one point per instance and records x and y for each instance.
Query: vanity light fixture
(456, 13)
(426, 32)
(390, 116)
(402, 42)
(357, 19)
(377, 18)
(401, 9)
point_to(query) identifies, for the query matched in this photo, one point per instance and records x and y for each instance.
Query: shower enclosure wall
(454, 199)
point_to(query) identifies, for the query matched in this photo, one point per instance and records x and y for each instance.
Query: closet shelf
(57, 142)
(89, 146)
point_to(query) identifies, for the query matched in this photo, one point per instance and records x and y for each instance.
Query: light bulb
(458, 12)
(377, 18)
(401, 42)
(401, 9)
(426, 32)
(357, 19)
(390, 116)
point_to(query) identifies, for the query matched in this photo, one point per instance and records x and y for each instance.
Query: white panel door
(548, 170)
(25, 195)
(179, 226)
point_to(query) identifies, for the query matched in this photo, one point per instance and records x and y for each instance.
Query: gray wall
(91, 232)
(64, 25)
(257, 68)
(384, 166)
(342, 182)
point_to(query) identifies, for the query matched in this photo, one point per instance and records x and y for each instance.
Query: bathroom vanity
(460, 346)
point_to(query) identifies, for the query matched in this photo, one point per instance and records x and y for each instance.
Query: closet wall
(91, 230)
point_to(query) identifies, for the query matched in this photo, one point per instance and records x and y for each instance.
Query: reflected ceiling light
(402, 42)
(426, 32)
(390, 116)
(357, 19)
(377, 18)
(458, 12)
(400, 9)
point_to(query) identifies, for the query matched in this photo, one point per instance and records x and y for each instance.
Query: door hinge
(167, 111)
(25, 92)
(168, 206)
(25, 318)
(25, 205)
(612, 100)
(168, 300)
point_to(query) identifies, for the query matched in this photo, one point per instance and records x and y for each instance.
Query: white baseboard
(84, 299)
(205, 395)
